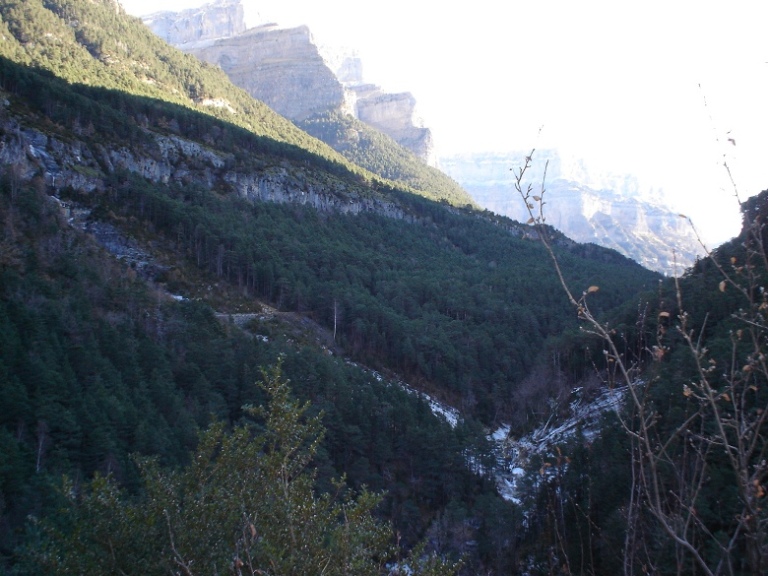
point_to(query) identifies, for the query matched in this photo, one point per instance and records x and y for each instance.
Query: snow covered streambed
(514, 455)
(448, 413)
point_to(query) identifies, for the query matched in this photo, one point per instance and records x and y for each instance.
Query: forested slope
(676, 478)
(110, 345)
(97, 44)
(380, 154)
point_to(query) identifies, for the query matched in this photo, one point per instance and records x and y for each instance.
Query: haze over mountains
(286, 69)
(165, 237)
(228, 346)
(609, 210)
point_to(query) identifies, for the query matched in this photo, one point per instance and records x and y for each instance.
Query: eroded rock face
(279, 66)
(27, 154)
(394, 114)
(285, 68)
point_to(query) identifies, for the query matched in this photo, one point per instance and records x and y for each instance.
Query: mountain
(219, 19)
(323, 92)
(616, 215)
(320, 89)
(165, 236)
(167, 243)
(287, 70)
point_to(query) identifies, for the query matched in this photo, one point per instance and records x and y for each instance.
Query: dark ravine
(141, 230)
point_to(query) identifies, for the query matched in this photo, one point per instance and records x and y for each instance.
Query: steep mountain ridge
(141, 226)
(287, 70)
(322, 90)
(70, 41)
(61, 163)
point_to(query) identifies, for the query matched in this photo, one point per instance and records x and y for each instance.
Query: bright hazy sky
(622, 85)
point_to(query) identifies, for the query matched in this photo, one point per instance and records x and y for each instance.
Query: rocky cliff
(28, 154)
(286, 69)
(222, 18)
(280, 66)
(394, 115)
(618, 217)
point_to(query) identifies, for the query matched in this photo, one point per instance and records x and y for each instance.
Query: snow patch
(513, 455)
(448, 413)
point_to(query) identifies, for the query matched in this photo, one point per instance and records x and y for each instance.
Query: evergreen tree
(245, 504)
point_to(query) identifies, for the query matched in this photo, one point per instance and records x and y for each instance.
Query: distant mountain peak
(587, 205)
(218, 19)
(286, 69)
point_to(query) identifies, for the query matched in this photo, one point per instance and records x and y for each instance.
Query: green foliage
(244, 505)
(95, 365)
(691, 499)
(576, 497)
(454, 301)
(378, 153)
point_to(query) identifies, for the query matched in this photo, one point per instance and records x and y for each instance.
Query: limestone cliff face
(394, 114)
(616, 217)
(280, 66)
(287, 70)
(28, 154)
(223, 18)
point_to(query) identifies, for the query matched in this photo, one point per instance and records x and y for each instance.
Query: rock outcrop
(28, 154)
(287, 70)
(394, 115)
